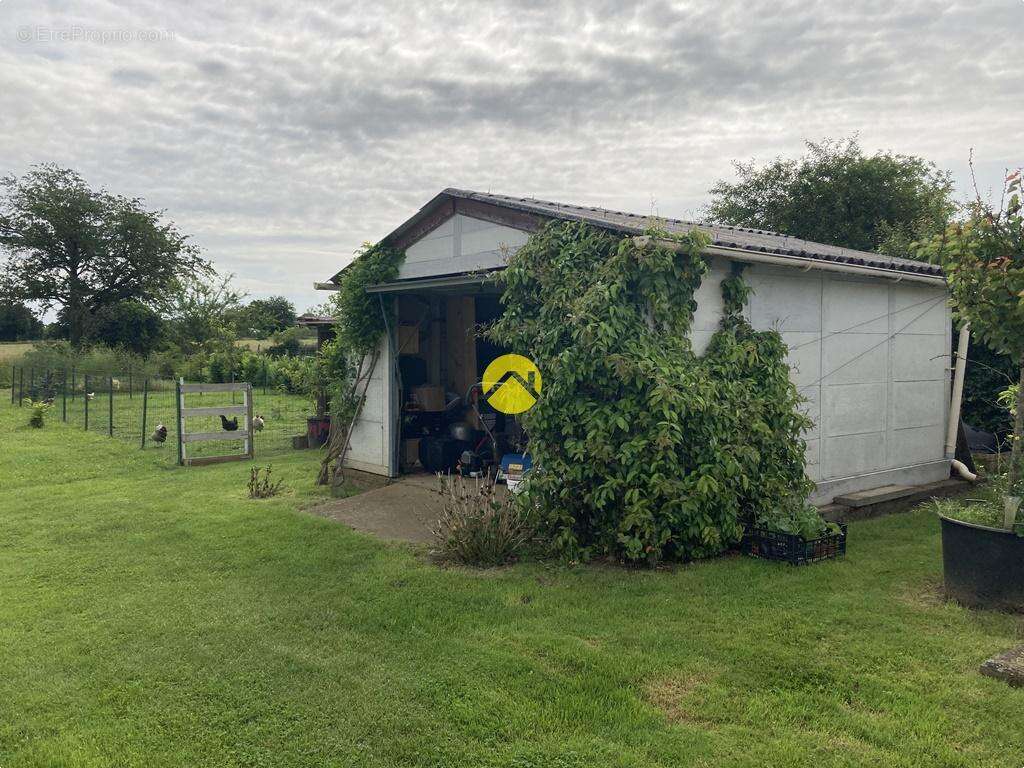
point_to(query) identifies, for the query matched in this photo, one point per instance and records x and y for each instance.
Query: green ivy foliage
(644, 450)
(359, 321)
(359, 324)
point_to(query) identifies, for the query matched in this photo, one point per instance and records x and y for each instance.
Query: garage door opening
(444, 424)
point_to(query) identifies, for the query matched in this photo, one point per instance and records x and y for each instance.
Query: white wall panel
(461, 244)
(852, 455)
(920, 310)
(914, 404)
(854, 358)
(369, 449)
(784, 302)
(852, 409)
(916, 446)
(855, 306)
(920, 357)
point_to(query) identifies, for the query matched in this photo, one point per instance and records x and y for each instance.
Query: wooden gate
(244, 433)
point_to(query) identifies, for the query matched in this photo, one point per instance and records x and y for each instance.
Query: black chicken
(229, 425)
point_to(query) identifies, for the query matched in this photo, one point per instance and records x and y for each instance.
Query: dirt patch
(675, 697)
(924, 595)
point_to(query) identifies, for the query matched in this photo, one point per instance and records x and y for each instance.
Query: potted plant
(983, 258)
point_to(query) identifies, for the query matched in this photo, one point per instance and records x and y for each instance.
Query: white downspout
(958, 390)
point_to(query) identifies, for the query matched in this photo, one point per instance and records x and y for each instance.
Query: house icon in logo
(511, 384)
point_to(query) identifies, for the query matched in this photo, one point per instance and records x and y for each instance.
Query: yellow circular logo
(511, 384)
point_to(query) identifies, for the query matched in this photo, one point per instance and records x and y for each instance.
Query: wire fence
(143, 411)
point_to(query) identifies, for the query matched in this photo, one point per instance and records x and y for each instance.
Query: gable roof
(530, 213)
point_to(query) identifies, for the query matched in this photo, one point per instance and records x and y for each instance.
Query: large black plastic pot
(984, 567)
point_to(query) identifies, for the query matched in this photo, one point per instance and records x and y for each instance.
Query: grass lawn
(155, 616)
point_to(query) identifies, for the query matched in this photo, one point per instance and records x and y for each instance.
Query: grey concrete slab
(873, 496)
(404, 510)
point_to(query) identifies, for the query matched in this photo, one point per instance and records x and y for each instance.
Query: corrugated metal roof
(756, 240)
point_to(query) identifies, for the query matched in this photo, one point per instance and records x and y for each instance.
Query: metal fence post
(21, 385)
(86, 401)
(129, 381)
(31, 382)
(72, 383)
(177, 401)
(110, 406)
(145, 404)
(64, 396)
(13, 369)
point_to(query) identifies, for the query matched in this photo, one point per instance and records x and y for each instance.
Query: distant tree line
(114, 274)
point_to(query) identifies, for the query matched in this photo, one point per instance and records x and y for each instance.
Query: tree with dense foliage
(18, 322)
(645, 450)
(261, 318)
(129, 325)
(983, 258)
(838, 195)
(71, 246)
(199, 313)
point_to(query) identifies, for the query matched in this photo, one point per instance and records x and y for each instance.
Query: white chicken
(257, 423)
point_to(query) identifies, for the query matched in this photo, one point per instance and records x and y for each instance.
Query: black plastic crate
(796, 550)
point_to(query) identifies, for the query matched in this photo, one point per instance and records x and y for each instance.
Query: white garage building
(869, 335)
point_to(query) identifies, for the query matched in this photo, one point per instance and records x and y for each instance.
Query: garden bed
(792, 548)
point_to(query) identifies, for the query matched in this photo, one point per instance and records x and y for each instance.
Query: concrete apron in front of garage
(408, 508)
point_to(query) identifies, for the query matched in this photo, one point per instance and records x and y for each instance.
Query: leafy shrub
(648, 451)
(797, 517)
(288, 341)
(260, 484)
(39, 410)
(226, 365)
(477, 527)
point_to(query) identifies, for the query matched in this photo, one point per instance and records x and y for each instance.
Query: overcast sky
(282, 135)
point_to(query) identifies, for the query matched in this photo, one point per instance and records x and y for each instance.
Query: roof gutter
(805, 264)
(419, 284)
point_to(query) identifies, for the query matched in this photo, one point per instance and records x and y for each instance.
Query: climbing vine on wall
(359, 327)
(645, 450)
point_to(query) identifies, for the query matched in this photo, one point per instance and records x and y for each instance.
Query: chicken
(159, 434)
(115, 384)
(257, 423)
(229, 425)
(90, 395)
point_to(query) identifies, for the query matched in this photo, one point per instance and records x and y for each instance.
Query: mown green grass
(155, 616)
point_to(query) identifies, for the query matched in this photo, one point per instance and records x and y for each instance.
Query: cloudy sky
(281, 135)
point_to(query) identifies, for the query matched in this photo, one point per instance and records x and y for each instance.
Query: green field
(11, 351)
(261, 345)
(152, 615)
